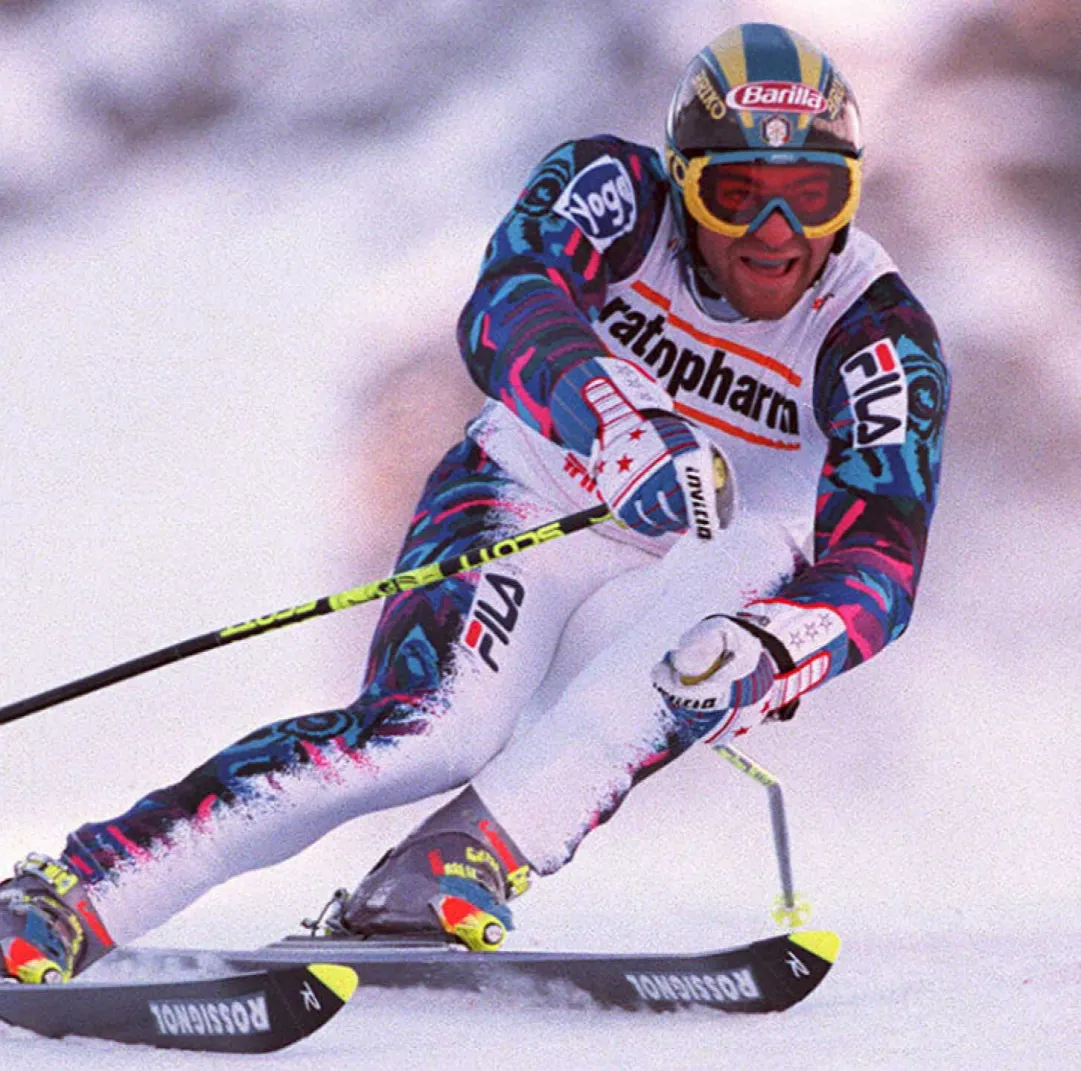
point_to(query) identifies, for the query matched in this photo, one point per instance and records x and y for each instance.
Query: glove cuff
(773, 645)
(575, 421)
(808, 644)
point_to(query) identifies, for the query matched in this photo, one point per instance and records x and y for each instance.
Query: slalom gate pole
(788, 909)
(328, 604)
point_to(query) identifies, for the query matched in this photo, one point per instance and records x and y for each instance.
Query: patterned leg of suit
(280, 788)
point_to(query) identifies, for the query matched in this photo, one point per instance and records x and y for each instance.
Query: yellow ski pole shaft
(328, 604)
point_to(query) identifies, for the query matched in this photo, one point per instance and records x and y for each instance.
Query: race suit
(529, 677)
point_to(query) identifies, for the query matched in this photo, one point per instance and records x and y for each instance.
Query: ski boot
(449, 880)
(49, 930)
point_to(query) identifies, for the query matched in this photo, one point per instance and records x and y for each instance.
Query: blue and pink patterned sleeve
(587, 216)
(881, 395)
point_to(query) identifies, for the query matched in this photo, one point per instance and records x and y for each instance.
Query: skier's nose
(776, 230)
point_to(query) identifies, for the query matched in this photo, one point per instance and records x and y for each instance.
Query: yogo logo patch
(600, 202)
(878, 394)
(494, 617)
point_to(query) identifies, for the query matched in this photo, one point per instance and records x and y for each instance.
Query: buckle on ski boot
(479, 930)
(466, 906)
(52, 929)
(448, 882)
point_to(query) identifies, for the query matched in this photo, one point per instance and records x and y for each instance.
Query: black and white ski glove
(738, 670)
(655, 470)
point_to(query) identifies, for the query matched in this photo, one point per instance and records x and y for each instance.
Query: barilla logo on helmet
(776, 97)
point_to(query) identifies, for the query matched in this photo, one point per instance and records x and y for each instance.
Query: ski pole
(328, 604)
(788, 910)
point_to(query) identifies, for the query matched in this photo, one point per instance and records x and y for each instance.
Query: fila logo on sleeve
(878, 394)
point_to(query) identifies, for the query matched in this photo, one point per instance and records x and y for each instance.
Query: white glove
(718, 666)
(739, 670)
(655, 470)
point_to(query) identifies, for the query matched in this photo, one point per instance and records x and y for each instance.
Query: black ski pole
(328, 604)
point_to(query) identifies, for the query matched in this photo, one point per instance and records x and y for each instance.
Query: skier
(704, 342)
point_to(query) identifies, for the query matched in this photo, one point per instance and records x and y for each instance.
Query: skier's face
(765, 272)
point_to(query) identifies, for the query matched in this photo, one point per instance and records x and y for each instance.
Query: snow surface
(190, 351)
(958, 1002)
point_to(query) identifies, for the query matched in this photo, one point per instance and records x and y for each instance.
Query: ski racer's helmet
(762, 95)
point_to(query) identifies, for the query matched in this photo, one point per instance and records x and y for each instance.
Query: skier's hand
(655, 470)
(732, 672)
(718, 670)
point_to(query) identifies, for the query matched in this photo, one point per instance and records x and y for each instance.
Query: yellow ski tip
(341, 981)
(821, 943)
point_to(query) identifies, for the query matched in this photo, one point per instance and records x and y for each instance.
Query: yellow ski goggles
(734, 193)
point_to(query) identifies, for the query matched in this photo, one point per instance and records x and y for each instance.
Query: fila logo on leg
(494, 617)
(878, 394)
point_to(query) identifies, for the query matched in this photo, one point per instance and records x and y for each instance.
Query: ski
(769, 975)
(258, 1010)
(281, 993)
